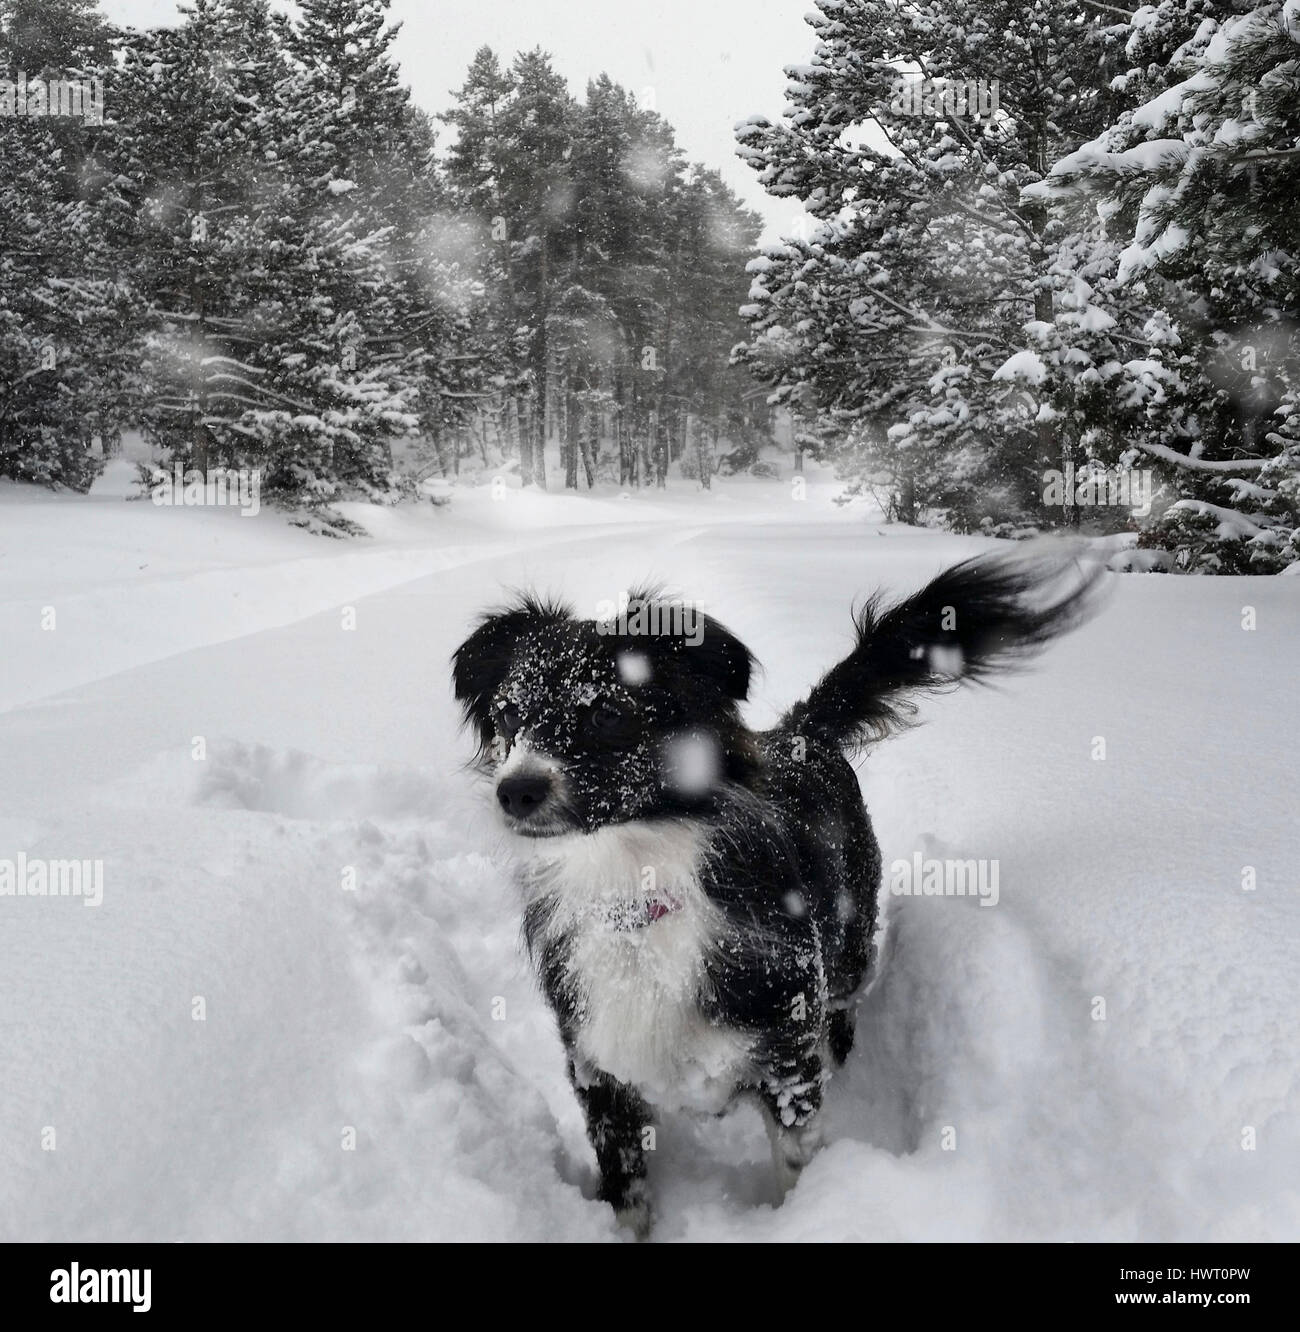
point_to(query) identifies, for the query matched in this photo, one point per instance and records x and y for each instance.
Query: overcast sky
(706, 63)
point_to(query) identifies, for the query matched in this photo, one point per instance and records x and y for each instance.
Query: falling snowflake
(634, 669)
(692, 764)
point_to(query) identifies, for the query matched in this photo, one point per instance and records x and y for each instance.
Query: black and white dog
(700, 898)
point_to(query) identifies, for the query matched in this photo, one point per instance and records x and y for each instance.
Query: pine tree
(1197, 188)
(37, 36)
(539, 200)
(908, 317)
(479, 160)
(479, 164)
(65, 366)
(627, 169)
(719, 235)
(260, 294)
(354, 126)
(510, 166)
(614, 294)
(367, 166)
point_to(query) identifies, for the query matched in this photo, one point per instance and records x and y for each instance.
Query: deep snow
(401, 1009)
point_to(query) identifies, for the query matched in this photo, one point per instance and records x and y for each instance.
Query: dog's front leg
(791, 1098)
(616, 1122)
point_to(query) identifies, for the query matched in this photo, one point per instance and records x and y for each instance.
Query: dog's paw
(792, 1149)
(634, 1213)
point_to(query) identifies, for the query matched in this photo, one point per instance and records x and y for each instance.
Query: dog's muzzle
(531, 793)
(526, 795)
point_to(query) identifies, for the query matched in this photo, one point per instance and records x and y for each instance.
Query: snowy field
(293, 853)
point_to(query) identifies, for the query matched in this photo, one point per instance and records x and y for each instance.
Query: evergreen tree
(353, 123)
(539, 197)
(625, 170)
(510, 165)
(367, 165)
(65, 368)
(908, 318)
(1196, 187)
(261, 297)
(478, 166)
(718, 232)
(37, 36)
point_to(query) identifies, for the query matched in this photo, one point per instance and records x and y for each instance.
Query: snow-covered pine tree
(478, 165)
(509, 167)
(539, 200)
(627, 170)
(255, 294)
(65, 364)
(448, 329)
(1195, 188)
(356, 122)
(1102, 349)
(367, 166)
(904, 315)
(625, 287)
(719, 234)
(589, 335)
(54, 35)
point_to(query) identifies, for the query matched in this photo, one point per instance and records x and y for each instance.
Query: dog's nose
(522, 796)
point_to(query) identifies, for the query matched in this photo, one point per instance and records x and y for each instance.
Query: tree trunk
(906, 503)
(711, 457)
(621, 430)
(524, 408)
(438, 450)
(200, 435)
(659, 450)
(572, 424)
(645, 438)
(589, 442)
(541, 367)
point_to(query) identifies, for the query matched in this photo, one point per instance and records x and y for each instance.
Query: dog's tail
(983, 615)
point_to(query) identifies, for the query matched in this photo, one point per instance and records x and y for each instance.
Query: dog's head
(586, 723)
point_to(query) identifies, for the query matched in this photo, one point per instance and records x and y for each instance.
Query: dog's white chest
(638, 988)
(640, 1018)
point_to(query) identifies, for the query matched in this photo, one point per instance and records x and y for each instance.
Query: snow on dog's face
(582, 725)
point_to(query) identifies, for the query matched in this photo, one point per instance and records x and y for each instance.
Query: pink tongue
(658, 910)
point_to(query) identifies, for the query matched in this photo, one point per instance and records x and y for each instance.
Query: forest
(1047, 259)
(261, 258)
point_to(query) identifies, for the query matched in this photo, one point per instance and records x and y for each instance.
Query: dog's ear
(721, 658)
(708, 651)
(482, 660)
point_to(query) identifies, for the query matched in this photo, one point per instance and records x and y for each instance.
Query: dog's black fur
(789, 861)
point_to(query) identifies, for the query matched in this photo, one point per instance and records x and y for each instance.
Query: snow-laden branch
(1231, 522)
(1110, 9)
(1202, 465)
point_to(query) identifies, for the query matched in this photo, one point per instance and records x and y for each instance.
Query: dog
(700, 899)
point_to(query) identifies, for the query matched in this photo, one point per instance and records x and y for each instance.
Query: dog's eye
(508, 720)
(607, 720)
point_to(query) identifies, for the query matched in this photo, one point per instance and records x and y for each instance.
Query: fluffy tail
(983, 615)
